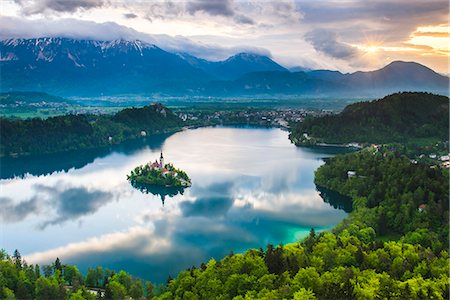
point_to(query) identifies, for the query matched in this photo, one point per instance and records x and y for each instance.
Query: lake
(250, 187)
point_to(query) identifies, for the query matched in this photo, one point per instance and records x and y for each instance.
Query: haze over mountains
(70, 67)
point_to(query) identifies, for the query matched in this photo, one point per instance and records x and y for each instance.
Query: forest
(392, 194)
(76, 132)
(402, 117)
(19, 280)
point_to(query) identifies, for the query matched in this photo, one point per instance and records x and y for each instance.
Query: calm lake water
(250, 187)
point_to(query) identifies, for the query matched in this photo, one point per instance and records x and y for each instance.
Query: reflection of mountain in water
(158, 190)
(335, 199)
(49, 163)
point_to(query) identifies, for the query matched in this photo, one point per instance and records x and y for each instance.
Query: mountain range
(70, 67)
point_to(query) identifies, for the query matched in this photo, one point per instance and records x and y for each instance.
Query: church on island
(156, 164)
(161, 166)
(160, 174)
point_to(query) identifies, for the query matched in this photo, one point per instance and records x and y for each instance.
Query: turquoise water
(250, 187)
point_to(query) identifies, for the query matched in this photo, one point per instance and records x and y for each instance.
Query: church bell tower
(161, 161)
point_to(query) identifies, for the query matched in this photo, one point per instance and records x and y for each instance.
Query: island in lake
(159, 174)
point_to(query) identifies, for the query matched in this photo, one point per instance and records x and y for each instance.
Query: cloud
(11, 212)
(212, 201)
(13, 27)
(209, 207)
(328, 43)
(73, 202)
(243, 20)
(211, 7)
(133, 238)
(31, 7)
(356, 20)
(130, 16)
(69, 203)
(280, 26)
(433, 34)
(162, 10)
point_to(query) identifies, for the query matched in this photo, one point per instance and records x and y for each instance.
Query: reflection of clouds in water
(169, 240)
(250, 188)
(74, 202)
(208, 207)
(135, 240)
(12, 212)
(211, 201)
(69, 203)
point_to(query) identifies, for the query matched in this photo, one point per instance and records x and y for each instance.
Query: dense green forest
(392, 195)
(395, 118)
(74, 132)
(19, 280)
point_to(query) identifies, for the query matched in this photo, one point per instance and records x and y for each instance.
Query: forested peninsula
(83, 131)
(408, 117)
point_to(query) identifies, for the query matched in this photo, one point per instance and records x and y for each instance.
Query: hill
(397, 76)
(70, 67)
(394, 118)
(75, 132)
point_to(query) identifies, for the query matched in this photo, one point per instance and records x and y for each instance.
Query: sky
(344, 35)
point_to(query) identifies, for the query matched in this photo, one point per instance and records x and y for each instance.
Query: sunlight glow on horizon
(436, 37)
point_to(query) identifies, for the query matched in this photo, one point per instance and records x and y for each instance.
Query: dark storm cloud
(12, 212)
(130, 16)
(30, 7)
(211, 7)
(327, 42)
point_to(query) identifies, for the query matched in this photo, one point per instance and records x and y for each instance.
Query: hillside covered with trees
(19, 280)
(395, 118)
(75, 132)
(392, 195)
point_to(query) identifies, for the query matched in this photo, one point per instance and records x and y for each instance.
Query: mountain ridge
(62, 65)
